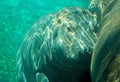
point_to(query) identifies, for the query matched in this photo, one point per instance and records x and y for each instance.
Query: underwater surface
(16, 17)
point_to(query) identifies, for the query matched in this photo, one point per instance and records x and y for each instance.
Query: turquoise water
(16, 17)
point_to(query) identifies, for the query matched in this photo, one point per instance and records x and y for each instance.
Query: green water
(16, 17)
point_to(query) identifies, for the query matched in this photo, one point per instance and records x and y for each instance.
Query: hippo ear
(40, 77)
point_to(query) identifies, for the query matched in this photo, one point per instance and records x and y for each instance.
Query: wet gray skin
(105, 64)
(58, 47)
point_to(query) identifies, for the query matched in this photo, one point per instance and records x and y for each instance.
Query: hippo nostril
(59, 21)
